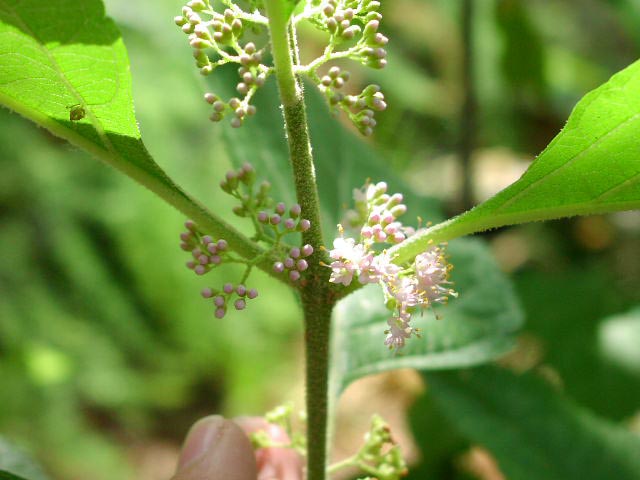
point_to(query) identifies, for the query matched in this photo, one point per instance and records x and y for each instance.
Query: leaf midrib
(570, 162)
(97, 125)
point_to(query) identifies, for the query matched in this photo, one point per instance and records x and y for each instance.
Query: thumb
(216, 449)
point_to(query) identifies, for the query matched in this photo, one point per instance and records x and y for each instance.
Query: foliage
(68, 72)
(532, 431)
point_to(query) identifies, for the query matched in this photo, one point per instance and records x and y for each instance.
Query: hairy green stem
(317, 296)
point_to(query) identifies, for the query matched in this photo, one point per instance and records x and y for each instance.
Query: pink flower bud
(206, 293)
(304, 225)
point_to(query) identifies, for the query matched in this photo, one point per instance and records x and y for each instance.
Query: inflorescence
(272, 222)
(379, 457)
(217, 39)
(407, 288)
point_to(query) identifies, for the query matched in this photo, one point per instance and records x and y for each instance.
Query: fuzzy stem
(316, 295)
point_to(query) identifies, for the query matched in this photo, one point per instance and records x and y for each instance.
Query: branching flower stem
(317, 295)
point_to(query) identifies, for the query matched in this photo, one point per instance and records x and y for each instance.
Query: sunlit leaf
(64, 66)
(592, 166)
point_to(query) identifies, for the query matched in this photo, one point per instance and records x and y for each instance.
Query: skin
(219, 449)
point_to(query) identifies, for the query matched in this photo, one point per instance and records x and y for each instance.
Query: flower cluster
(380, 454)
(407, 288)
(208, 254)
(217, 38)
(353, 33)
(279, 437)
(216, 41)
(295, 263)
(283, 224)
(272, 222)
(222, 297)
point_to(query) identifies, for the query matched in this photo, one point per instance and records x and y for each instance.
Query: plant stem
(317, 296)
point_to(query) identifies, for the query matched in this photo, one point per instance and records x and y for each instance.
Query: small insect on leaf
(76, 112)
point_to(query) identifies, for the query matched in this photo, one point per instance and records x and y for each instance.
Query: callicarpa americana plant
(65, 68)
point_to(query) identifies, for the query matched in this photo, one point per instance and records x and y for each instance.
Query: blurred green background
(107, 353)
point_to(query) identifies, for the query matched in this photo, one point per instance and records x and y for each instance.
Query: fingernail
(204, 433)
(216, 449)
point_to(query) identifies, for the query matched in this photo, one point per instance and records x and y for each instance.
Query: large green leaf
(14, 462)
(475, 328)
(592, 166)
(532, 431)
(64, 66)
(61, 57)
(4, 475)
(595, 357)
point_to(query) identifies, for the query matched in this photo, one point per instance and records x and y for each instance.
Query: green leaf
(437, 458)
(62, 57)
(532, 431)
(64, 66)
(4, 475)
(475, 328)
(592, 166)
(596, 356)
(15, 460)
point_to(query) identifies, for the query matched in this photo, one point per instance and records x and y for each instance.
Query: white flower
(405, 291)
(350, 258)
(432, 273)
(398, 332)
(379, 267)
